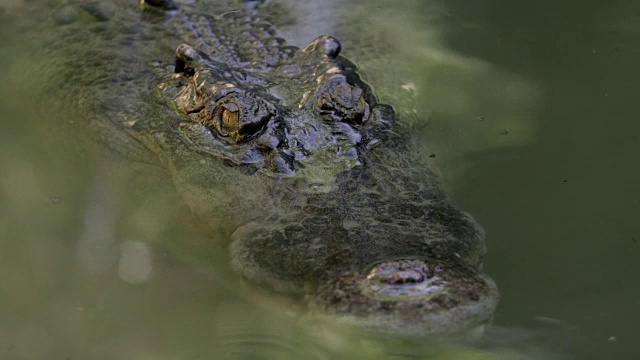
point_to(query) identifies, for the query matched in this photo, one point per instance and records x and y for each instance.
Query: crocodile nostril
(400, 272)
(402, 280)
(410, 276)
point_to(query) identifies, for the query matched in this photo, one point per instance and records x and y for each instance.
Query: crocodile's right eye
(344, 101)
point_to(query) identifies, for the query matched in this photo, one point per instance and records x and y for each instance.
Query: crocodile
(319, 187)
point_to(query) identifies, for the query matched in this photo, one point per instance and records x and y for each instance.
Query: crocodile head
(279, 114)
(361, 231)
(409, 269)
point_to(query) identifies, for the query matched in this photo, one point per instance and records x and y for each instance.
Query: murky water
(561, 213)
(529, 111)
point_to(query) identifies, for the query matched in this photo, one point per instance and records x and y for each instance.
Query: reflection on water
(466, 104)
(536, 111)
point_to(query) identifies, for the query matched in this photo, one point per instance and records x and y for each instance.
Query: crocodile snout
(403, 280)
(413, 296)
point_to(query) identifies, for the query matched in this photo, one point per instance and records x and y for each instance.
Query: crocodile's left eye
(229, 117)
(344, 101)
(239, 116)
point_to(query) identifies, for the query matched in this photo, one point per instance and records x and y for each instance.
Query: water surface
(528, 110)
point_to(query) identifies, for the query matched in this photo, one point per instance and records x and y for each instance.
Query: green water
(561, 213)
(529, 110)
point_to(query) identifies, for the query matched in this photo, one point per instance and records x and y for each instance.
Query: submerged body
(287, 150)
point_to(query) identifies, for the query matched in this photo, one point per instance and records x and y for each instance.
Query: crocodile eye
(239, 116)
(344, 101)
(233, 114)
(230, 117)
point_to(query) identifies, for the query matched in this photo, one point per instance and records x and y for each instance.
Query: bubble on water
(96, 249)
(135, 264)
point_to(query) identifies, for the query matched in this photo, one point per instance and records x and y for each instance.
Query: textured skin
(289, 152)
(389, 209)
(288, 106)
